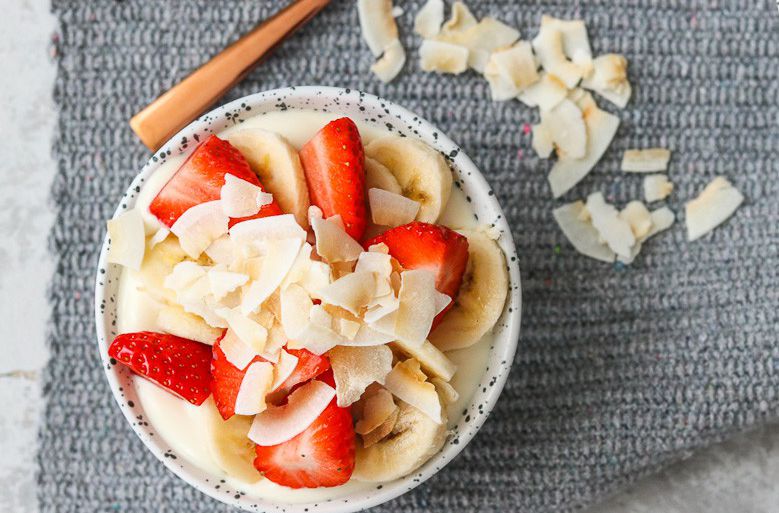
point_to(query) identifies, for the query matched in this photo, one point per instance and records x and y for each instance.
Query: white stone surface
(737, 476)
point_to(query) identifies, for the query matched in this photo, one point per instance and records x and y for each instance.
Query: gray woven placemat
(619, 371)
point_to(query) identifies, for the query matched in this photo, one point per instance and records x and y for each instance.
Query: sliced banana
(229, 444)
(422, 172)
(412, 441)
(277, 164)
(157, 265)
(377, 176)
(482, 295)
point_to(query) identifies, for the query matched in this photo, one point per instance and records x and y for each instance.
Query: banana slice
(481, 298)
(277, 164)
(157, 265)
(377, 176)
(229, 444)
(422, 172)
(412, 441)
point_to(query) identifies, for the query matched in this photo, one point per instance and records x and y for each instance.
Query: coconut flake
(128, 239)
(295, 310)
(481, 39)
(549, 48)
(601, 128)
(241, 198)
(377, 24)
(300, 267)
(649, 160)
(713, 206)
(354, 368)
(515, 65)
(446, 392)
(317, 338)
(283, 369)
(319, 276)
(236, 352)
(543, 144)
(368, 336)
(657, 187)
(224, 282)
(348, 328)
(615, 231)
(389, 209)
(251, 333)
(174, 320)
(580, 232)
(160, 235)
(566, 126)
(254, 386)
(377, 176)
(391, 63)
(576, 42)
(199, 226)
(443, 57)
(432, 359)
(279, 424)
(332, 242)
(222, 250)
(545, 94)
(610, 79)
(417, 306)
(183, 275)
(352, 292)
(380, 308)
(460, 19)
(377, 408)
(428, 20)
(374, 262)
(408, 383)
(275, 266)
(638, 217)
(265, 229)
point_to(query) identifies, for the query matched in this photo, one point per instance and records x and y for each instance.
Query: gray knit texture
(619, 371)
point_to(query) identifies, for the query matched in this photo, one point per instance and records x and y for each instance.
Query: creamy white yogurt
(185, 427)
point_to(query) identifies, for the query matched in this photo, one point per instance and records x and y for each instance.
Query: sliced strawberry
(226, 380)
(309, 366)
(201, 177)
(179, 365)
(334, 163)
(322, 455)
(428, 246)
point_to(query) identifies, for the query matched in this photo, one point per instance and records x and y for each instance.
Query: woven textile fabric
(619, 370)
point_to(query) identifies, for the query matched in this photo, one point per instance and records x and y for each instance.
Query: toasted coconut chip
(543, 144)
(576, 42)
(222, 250)
(236, 352)
(569, 133)
(318, 315)
(256, 383)
(415, 314)
(251, 333)
(283, 369)
(574, 221)
(352, 292)
(174, 320)
(443, 57)
(378, 176)
(441, 302)
(481, 40)
(501, 90)
(516, 65)
(332, 242)
(545, 94)
(128, 239)
(615, 231)
(295, 310)
(550, 50)
(374, 262)
(446, 391)
(610, 79)
(381, 307)
(391, 63)
(389, 209)
(317, 338)
(432, 359)
(368, 336)
(601, 128)
(638, 217)
(160, 235)
(381, 432)
(348, 328)
(646, 161)
(183, 275)
(275, 266)
(277, 425)
(657, 187)
(377, 408)
(354, 368)
(408, 383)
(377, 24)
(199, 226)
(224, 282)
(319, 276)
(662, 219)
(428, 20)
(276, 340)
(241, 198)
(460, 19)
(300, 266)
(713, 206)
(266, 229)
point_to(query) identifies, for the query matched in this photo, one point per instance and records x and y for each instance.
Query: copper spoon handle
(175, 108)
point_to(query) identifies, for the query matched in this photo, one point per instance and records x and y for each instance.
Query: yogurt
(184, 427)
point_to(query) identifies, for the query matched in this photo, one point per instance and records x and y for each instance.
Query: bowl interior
(368, 109)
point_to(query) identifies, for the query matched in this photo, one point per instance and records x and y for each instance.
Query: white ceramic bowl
(369, 109)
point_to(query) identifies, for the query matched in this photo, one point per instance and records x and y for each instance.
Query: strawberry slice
(201, 177)
(309, 366)
(322, 455)
(428, 246)
(226, 380)
(180, 366)
(334, 164)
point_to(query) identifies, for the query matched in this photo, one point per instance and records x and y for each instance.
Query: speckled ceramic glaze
(369, 109)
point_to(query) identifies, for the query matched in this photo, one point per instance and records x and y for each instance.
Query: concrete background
(741, 475)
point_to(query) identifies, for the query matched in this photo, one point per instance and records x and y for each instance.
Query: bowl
(369, 109)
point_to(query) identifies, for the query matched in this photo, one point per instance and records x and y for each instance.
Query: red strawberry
(334, 163)
(428, 246)
(322, 455)
(226, 380)
(179, 365)
(309, 366)
(201, 177)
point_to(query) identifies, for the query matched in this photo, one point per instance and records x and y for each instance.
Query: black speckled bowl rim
(371, 110)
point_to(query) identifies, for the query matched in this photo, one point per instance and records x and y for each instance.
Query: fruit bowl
(367, 110)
